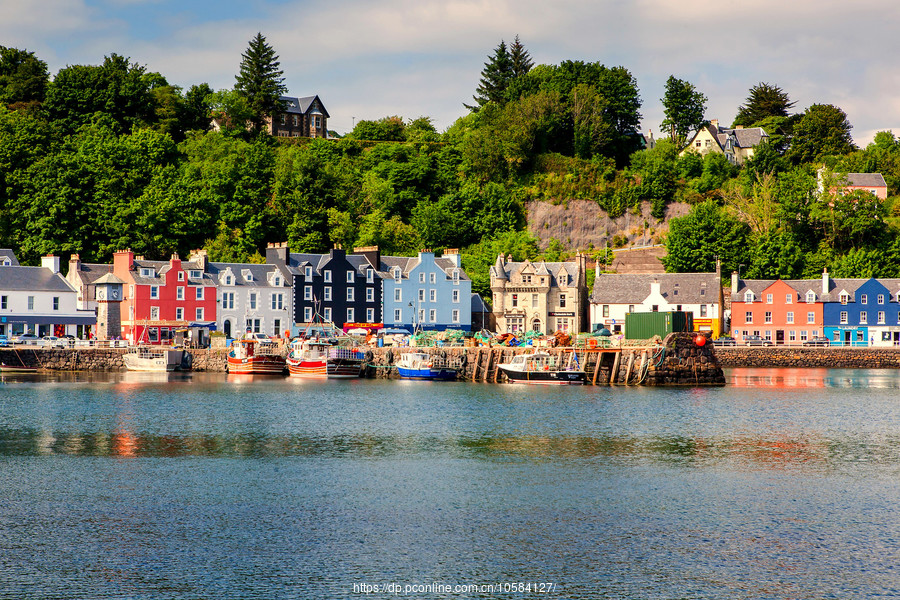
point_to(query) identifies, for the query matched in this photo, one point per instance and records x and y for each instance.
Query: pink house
(784, 312)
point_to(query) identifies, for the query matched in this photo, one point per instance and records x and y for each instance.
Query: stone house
(302, 117)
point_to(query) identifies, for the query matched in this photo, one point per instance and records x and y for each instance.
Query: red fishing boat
(252, 357)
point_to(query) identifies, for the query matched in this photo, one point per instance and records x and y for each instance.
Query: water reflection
(813, 378)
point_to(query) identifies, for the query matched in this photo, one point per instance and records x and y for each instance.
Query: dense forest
(103, 157)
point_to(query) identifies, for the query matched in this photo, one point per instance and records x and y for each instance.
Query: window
(4, 302)
(803, 336)
(456, 296)
(254, 325)
(179, 293)
(228, 300)
(864, 299)
(606, 310)
(456, 276)
(881, 317)
(370, 294)
(307, 314)
(454, 316)
(327, 294)
(654, 308)
(748, 318)
(370, 315)
(534, 299)
(810, 297)
(179, 313)
(154, 313)
(307, 273)
(702, 310)
(349, 276)
(351, 315)
(562, 300)
(790, 318)
(421, 295)
(199, 293)
(421, 315)
(844, 319)
(276, 326)
(276, 281)
(678, 307)
(277, 301)
(248, 275)
(55, 302)
(631, 308)
(397, 274)
(398, 295)
(307, 292)
(432, 315)
(180, 275)
(30, 302)
(675, 291)
(515, 300)
(228, 280)
(397, 318)
(432, 278)
(253, 301)
(768, 318)
(195, 275)
(863, 318)
(199, 314)
(526, 278)
(147, 273)
(154, 291)
(153, 334)
(788, 298)
(880, 298)
(768, 298)
(432, 295)
(350, 294)
(748, 296)
(845, 298)
(703, 290)
(328, 276)
(370, 275)
(326, 313)
(810, 318)
(421, 277)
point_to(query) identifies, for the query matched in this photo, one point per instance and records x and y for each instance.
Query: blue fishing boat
(421, 365)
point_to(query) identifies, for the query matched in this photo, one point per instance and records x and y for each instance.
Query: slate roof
(302, 105)
(161, 267)
(36, 279)
(634, 288)
(88, 273)
(506, 270)
(408, 263)
(260, 273)
(8, 254)
(801, 286)
(866, 180)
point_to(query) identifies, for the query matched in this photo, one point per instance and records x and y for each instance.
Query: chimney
(372, 255)
(826, 281)
(654, 287)
(74, 263)
(199, 256)
(714, 122)
(277, 254)
(453, 254)
(50, 262)
(735, 282)
(123, 261)
(738, 127)
(175, 261)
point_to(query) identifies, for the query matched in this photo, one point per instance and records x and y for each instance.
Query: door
(227, 327)
(779, 336)
(847, 338)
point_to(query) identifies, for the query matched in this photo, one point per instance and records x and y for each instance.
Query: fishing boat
(5, 368)
(252, 357)
(153, 358)
(318, 358)
(421, 365)
(540, 367)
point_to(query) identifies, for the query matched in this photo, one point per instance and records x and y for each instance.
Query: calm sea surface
(785, 484)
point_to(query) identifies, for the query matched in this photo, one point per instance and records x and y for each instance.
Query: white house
(39, 300)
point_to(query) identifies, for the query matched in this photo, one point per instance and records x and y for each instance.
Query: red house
(780, 311)
(161, 297)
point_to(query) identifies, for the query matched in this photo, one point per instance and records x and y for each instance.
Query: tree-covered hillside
(102, 157)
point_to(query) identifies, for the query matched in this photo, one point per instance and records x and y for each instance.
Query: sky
(367, 59)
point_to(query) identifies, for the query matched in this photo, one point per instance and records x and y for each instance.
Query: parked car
(27, 338)
(725, 340)
(4, 341)
(51, 341)
(259, 337)
(755, 340)
(817, 341)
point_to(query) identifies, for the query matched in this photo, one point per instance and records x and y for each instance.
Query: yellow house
(736, 144)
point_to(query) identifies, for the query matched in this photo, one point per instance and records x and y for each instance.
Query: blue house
(427, 292)
(852, 307)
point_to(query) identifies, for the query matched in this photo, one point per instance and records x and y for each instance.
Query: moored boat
(539, 367)
(421, 365)
(321, 359)
(251, 357)
(5, 368)
(153, 358)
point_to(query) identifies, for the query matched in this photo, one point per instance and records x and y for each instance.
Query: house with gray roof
(738, 144)
(39, 300)
(83, 277)
(540, 296)
(301, 117)
(617, 295)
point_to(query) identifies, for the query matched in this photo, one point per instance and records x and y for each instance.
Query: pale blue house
(432, 293)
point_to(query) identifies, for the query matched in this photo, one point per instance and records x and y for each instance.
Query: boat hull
(430, 374)
(12, 369)
(545, 377)
(158, 362)
(256, 365)
(332, 369)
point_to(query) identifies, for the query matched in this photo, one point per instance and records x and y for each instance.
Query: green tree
(478, 258)
(765, 100)
(520, 58)
(695, 240)
(684, 107)
(823, 130)
(231, 111)
(196, 110)
(495, 78)
(260, 81)
(386, 129)
(23, 77)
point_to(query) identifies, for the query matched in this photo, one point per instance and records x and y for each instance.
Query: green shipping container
(643, 326)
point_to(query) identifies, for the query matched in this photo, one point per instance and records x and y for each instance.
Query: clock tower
(109, 298)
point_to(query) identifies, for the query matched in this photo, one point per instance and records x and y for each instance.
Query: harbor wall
(822, 357)
(677, 361)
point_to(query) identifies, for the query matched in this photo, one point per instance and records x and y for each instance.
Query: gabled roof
(34, 279)
(634, 288)
(260, 273)
(301, 106)
(866, 180)
(88, 273)
(506, 270)
(6, 253)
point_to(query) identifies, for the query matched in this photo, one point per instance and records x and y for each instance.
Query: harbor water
(783, 484)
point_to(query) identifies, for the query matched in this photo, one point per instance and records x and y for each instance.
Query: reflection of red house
(781, 311)
(161, 297)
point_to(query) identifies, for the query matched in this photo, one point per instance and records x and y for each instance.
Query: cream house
(542, 296)
(736, 144)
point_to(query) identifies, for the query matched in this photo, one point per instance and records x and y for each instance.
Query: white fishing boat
(153, 358)
(540, 367)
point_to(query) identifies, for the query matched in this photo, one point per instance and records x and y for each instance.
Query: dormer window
(349, 276)
(307, 272)
(748, 296)
(810, 297)
(248, 275)
(845, 297)
(370, 275)
(180, 275)
(455, 275)
(277, 281)
(195, 274)
(229, 280)
(147, 272)
(6, 262)
(397, 275)
(526, 278)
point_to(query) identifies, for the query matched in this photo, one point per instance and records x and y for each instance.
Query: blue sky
(370, 59)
